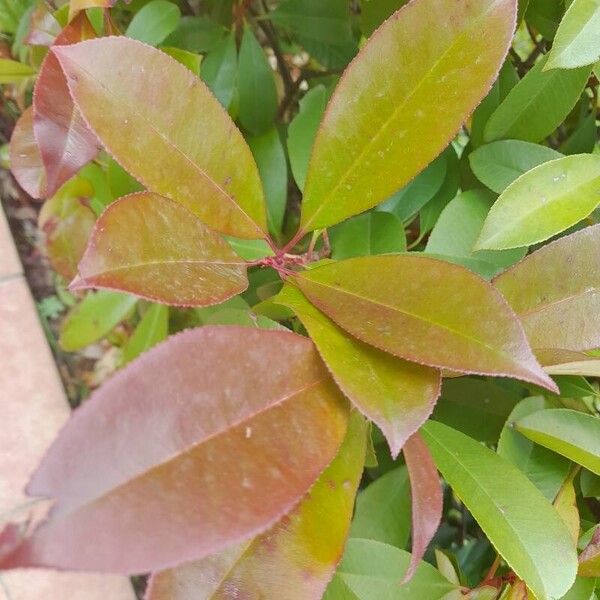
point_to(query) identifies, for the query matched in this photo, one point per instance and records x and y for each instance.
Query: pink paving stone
(32, 410)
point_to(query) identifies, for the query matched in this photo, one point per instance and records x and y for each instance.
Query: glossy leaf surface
(366, 235)
(25, 159)
(427, 499)
(521, 524)
(413, 307)
(555, 290)
(65, 141)
(397, 395)
(256, 85)
(155, 248)
(152, 329)
(371, 570)
(577, 42)
(154, 22)
(176, 138)
(543, 202)
(571, 433)
(383, 509)
(251, 425)
(93, 318)
(381, 127)
(294, 559)
(500, 163)
(458, 228)
(536, 106)
(67, 221)
(545, 469)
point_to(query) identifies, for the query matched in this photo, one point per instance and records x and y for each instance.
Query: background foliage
(409, 237)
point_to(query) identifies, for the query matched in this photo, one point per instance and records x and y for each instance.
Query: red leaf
(204, 441)
(25, 160)
(427, 499)
(66, 143)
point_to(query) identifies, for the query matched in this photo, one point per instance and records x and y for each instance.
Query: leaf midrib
(375, 138)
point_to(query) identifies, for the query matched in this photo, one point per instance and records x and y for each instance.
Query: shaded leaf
(555, 290)
(398, 396)
(196, 34)
(154, 22)
(254, 422)
(152, 329)
(65, 141)
(269, 155)
(374, 12)
(521, 524)
(371, 570)
(459, 226)
(93, 318)
(414, 307)
(25, 159)
(370, 142)
(543, 202)
(576, 42)
(383, 510)
(475, 407)
(366, 235)
(427, 499)
(163, 142)
(583, 138)
(573, 434)
(537, 105)
(583, 589)
(12, 71)
(256, 85)
(154, 248)
(67, 221)
(545, 469)
(303, 129)
(589, 559)
(219, 70)
(500, 163)
(294, 559)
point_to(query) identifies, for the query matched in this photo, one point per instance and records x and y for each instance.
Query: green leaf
(383, 510)
(573, 434)
(398, 396)
(12, 71)
(477, 408)
(154, 22)
(389, 301)
(537, 105)
(256, 84)
(555, 290)
(189, 59)
(424, 187)
(577, 43)
(270, 158)
(175, 138)
(374, 12)
(521, 524)
(545, 16)
(303, 130)
(458, 228)
(120, 182)
(583, 589)
(219, 70)
(152, 329)
(94, 317)
(155, 248)
(500, 163)
(545, 469)
(370, 143)
(543, 202)
(196, 34)
(583, 138)
(323, 28)
(298, 555)
(366, 235)
(371, 570)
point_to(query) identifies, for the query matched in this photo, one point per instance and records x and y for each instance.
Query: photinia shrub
(316, 357)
